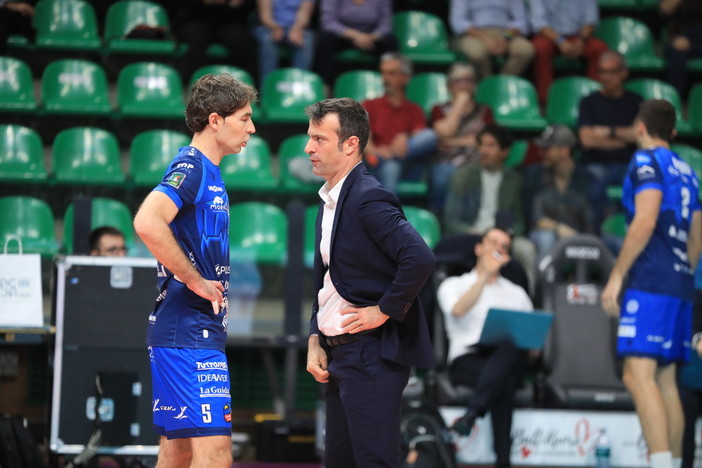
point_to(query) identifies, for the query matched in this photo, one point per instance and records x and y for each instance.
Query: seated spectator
(456, 123)
(570, 35)
(485, 193)
(684, 39)
(560, 208)
(107, 241)
(284, 24)
(345, 24)
(201, 23)
(492, 28)
(494, 372)
(15, 18)
(400, 144)
(606, 130)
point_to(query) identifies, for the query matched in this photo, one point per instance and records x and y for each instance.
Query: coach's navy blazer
(378, 258)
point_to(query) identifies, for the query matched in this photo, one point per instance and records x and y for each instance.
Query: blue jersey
(181, 318)
(663, 266)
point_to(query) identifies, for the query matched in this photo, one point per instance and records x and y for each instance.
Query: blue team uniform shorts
(191, 396)
(655, 326)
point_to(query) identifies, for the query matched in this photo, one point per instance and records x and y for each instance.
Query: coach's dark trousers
(363, 401)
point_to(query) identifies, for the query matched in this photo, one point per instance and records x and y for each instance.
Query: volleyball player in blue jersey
(184, 222)
(659, 254)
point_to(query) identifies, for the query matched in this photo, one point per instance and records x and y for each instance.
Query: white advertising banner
(561, 438)
(20, 291)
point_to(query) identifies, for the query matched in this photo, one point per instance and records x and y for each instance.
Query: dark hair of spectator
(503, 137)
(97, 233)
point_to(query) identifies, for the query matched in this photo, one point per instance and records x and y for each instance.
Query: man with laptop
(494, 371)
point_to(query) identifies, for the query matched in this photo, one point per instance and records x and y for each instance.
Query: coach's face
(330, 158)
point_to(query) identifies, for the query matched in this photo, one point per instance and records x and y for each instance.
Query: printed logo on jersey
(218, 204)
(645, 172)
(156, 407)
(223, 269)
(632, 306)
(213, 378)
(176, 179)
(185, 166)
(181, 415)
(626, 331)
(211, 365)
(227, 412)
(643, 159)
(215, 188)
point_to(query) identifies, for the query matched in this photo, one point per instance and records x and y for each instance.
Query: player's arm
(648, 204)
(151, 223)
(694, 239)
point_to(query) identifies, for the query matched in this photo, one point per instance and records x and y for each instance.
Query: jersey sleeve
(182, 181)
(645, 172)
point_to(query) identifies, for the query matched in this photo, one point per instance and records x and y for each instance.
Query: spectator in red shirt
(400, 144)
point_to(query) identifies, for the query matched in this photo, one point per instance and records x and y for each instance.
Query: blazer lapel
(348, 183)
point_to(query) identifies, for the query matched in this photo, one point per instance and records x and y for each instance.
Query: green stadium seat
(614, 225)
(251, 169)
(16, 86)
(123, 16)
(563, 101)
(619, 4)
(260, 233)
(428, 89)
(359, 85)
(75, 87)
(104, 212)
(517, 153)
(360, 57)
(691, 155)
(291, 147)
(422, 38)
(84, 155)
(66, 25)
(150, 90)
(694, 109)
(631, 38)
(651, 88)
(286, 92)
(425, 223)
(513, 102)
(150, 154)
(21, 154)
(32, 221)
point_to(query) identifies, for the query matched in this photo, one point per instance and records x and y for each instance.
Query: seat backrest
(258, 232)
(292, 147)
(419, 32)
(31, 220)
(579, 357)
(68, 24)
(509, 96)
(16, 86)
(614, 224)
(74, 86)
(563, 101)
(287, 91)
(517, 153)
(21, 154)
(628, 36)
(86, 155)
(238, 73)
(652, 88)
(151, 152)
(123, 16)
(425, 223)
(359, 85)
(149, 89)
(310, 233)
(428, 89)
(251, 169)
(104, 212)
(694, 108)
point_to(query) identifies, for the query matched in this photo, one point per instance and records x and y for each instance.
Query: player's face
(328, 161)
(236, 129)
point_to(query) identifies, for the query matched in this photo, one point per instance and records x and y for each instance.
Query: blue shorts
(655, 326)
(190, 392)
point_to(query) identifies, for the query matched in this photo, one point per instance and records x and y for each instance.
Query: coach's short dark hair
(353, 118)
(658, 115)
(222, 94)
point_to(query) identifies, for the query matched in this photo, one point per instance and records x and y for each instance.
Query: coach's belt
(347, 338)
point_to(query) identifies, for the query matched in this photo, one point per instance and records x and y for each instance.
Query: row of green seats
(258, 230)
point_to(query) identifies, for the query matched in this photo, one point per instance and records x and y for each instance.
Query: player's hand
(610, 296)
(362, 318)
(317, 361)
(211, 290)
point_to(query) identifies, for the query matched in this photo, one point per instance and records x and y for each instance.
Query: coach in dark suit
(367, 326)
